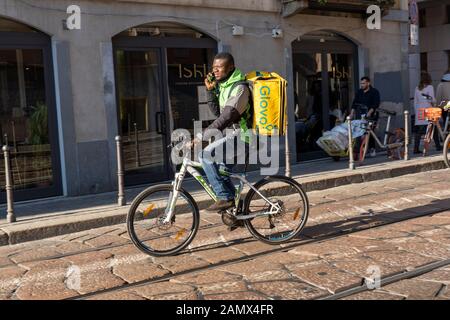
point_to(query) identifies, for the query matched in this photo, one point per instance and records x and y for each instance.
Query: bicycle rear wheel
(447, 151)
(283, 226)
(145, 221)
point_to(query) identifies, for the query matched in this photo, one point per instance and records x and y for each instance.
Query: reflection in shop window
(24, 118)
(187, 69)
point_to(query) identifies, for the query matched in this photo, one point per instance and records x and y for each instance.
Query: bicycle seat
(391, 113)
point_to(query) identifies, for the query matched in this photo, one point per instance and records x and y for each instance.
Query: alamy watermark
(374, 20)
(373, 281)
(73, 21)
(228, 147)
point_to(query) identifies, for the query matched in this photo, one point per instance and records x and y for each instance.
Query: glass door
(28, 122)
(324, 69)
(142, 118)
(309, 110)
(340, 87)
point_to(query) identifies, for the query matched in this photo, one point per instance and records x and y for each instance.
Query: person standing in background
(421, 101)
(366, 102)
(443, 91)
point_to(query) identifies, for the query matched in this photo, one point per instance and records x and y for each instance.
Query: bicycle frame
(443, 133)
(433, 125)
(380, 144)
(190, 166)
(384, 145)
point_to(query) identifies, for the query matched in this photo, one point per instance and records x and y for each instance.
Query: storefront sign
(414, 23)
(414, 35)
(413, 12)
(194, 71)
(338, 74)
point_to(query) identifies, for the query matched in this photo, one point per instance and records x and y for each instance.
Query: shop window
(448, 13)
(26, 112)
(424, 61)
(160, 70)
(422, 18)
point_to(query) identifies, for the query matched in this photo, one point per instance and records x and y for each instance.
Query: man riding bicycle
(229, 100)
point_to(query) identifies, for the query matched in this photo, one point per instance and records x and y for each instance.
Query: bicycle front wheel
(285, 225)
(447, 151)
(145, 221)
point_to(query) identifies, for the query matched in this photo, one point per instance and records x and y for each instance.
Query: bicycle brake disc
(165, 226)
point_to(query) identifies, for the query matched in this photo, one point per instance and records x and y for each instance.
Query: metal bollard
(287, 151)
(406, 135)
(350, 145)
(9, 187)
(120, 173)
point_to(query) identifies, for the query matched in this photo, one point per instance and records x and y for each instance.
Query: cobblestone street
(394, 226)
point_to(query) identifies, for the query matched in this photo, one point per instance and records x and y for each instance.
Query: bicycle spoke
(148, 230)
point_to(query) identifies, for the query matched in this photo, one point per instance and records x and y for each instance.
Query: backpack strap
(234, 85)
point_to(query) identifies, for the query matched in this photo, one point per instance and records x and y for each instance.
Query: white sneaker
(373, 153)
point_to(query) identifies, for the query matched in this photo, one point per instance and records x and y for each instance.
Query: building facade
(434, 37)
(135, 68)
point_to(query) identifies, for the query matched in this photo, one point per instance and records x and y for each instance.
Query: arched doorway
(325, 79)
(160, 68)
(28, 122)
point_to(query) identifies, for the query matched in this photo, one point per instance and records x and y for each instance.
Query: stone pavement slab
(306, 268)
(52, 217)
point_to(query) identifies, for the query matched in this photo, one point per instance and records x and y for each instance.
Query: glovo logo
(263, 104)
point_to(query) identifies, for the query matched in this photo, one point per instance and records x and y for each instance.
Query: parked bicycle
(164, 219)
(393, 141)
(433, 115)
(447, 150)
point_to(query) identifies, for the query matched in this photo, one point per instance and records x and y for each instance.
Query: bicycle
(164, 219)
(447, 150)
(391, 147)
(433, 115)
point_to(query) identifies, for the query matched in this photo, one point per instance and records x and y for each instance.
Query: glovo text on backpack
(269, 92)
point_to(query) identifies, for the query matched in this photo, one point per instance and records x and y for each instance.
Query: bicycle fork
(173, 196)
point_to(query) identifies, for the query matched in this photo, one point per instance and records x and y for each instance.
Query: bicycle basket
(433, 114)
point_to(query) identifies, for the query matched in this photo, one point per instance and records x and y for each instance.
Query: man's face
(365, 84)
(221, 69)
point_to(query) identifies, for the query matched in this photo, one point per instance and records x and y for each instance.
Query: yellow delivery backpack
(269, 102)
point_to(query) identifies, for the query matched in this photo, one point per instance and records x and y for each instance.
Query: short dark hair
(365, 78)
(225, 56)
(425, 80)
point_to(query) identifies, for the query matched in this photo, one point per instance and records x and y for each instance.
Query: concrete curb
(3, 238)
(24, 231)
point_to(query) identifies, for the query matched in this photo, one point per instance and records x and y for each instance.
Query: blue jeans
(222, 185)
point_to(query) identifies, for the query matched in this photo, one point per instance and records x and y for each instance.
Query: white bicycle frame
(384, 145)
(190, 166)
